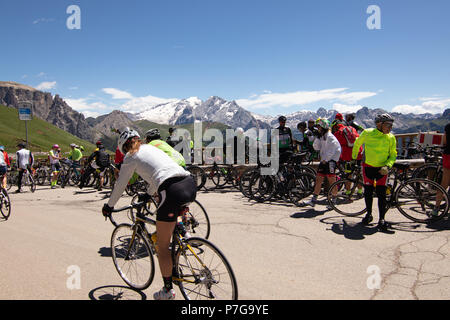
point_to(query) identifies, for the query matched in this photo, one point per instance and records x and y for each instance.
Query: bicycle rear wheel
(132, 257)
(204, 272)
(5, 204)
(348, 202)
(416, 198)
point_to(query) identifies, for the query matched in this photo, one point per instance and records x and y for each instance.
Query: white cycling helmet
(125, 136)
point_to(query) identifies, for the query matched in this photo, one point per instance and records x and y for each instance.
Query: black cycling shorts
(327, 168)
(173, 194)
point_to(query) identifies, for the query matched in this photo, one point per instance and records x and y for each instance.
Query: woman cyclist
(174, 186)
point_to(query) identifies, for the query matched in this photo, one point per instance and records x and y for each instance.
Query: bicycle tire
(5, 203)
(350, 205)
(197, 221)
(431, 171)
(138, 269)
(217, 177)
(262, 187)
(415, 198)
(198, 174)
(245, 179)
(214, 277)
(300, 187)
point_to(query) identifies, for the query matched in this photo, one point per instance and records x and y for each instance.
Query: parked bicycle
(415, 198)
(27, 179)
(201, 270)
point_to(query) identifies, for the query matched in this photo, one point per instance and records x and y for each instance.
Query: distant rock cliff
(51, 109)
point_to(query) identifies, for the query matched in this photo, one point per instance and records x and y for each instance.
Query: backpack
(350, 135)
(102, 159)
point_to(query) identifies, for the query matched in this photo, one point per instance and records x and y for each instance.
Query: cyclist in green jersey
(380, 154)
(153, 137)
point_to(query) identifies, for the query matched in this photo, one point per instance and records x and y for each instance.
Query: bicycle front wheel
(347, 201)
(5, 204)
(416, 199)
(197, 221)
(203, 272)
(132, 257)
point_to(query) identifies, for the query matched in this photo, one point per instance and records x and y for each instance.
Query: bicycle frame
(139, 226)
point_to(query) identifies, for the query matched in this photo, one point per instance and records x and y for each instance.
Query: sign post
(26, 114)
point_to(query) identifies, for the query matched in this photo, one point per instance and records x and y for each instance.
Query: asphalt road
(56, 245)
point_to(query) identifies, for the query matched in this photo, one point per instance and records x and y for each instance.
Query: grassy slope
(41, 134)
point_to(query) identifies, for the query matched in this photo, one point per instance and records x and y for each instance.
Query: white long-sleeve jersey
(330, 148)
(152, 164)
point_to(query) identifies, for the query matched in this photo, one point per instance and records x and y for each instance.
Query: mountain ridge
(55, 110)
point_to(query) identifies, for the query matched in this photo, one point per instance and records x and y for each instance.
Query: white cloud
(82, 104)
(289, 99)
(118, 94)
(43, 20)
(343, 108)
(429, 105)
(46, 85)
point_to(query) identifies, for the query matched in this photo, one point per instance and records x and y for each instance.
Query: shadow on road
(308, 214)
(116, 293)
(352, 230)
(105, 252)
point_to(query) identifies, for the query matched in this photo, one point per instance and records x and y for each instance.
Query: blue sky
(272, 57)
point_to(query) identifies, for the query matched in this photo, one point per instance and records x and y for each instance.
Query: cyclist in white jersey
(173, 185)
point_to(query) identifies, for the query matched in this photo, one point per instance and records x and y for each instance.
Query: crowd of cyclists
(340, 143)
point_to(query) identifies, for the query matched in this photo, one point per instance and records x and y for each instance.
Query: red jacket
(6, 158)
(346, 154)
(118, 159)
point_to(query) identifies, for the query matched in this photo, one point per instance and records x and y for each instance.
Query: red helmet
(98, 142)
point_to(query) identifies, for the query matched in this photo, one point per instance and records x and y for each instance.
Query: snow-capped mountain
(215, 109)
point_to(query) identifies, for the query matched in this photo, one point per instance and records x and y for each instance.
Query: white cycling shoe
(163, 294)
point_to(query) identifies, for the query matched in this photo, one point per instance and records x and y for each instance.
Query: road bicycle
(291, 183)
(196, 219)
(27, 179)
(5, 202)
(223, 175)
(200, 269)
(415, 198)
(73, 175)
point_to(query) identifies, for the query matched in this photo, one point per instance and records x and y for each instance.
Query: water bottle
(181, 228)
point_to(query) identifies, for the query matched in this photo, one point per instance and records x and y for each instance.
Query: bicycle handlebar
(131, 206)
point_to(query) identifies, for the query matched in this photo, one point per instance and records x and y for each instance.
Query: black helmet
(385, 117)
(282, 118)
(301, 124)
(153, 134)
